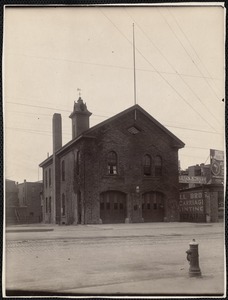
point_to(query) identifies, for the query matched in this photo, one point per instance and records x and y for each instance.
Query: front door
(153, 207)
(113, 207)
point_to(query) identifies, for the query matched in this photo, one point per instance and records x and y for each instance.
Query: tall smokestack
(57, 132)
(57, 144)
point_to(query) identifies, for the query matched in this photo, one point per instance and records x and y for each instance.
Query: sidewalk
(49, 231)
(120, 259)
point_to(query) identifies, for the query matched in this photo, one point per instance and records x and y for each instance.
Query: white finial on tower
(79, 92)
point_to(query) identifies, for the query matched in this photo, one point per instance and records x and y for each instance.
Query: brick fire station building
(122, 170)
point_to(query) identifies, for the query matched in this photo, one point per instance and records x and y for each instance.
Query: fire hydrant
(193, 258)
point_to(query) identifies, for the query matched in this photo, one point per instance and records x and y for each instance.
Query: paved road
(115, 259)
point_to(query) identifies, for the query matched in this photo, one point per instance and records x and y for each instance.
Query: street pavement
(146, 259)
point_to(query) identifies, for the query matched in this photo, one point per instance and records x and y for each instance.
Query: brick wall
(87, 174)
(130, 150)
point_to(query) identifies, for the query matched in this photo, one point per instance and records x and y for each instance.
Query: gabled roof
(87, 133)
(137, 108)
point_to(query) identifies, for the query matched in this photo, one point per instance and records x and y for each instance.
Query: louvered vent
(133, 130)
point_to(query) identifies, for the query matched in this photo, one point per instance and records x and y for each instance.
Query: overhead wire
(51, 108)
(190, 43)
(188, 54)
(171, 65)
(167, 125)
(177, 92)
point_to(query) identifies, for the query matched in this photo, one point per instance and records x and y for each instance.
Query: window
(147, 165)
(49, 205)
(155, 205)
(78, 162)
(135, 207)
(74, 131)
(49, 177)
(102, 206)
(46, 205)
(115, 205)
(107, 205)
(46, 179)
(63, 205)
(112, 163)
(148, 205)
(63, 170)
(158, 166)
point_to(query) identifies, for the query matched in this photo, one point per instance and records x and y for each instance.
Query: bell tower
(80, 118)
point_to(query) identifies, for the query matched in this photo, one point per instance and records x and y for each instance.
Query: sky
(51, 52)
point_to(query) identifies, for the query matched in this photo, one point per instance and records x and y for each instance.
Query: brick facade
(138, 183)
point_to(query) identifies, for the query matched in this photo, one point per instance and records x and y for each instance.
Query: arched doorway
(112, 207)
(153, 207)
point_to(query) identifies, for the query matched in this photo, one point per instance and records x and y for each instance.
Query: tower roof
(80, 108)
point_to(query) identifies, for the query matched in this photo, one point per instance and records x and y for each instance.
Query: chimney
(57, 144)
(57, 132)
(80, 118)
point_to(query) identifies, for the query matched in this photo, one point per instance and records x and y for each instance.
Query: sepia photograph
(114, 150)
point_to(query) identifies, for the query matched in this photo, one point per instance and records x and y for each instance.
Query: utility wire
(51, 108)
(161, 75)
(49, 133)
(190, 129)
(170, 126)
(207, 159)
(169, 63)
(34, 131)
(102, 65)
(186, 37)
(187, 53)
(46, 115)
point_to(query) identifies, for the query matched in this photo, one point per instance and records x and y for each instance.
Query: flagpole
(134, 64)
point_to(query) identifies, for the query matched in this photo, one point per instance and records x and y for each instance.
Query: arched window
(147, 165)
(63, 170)
(63, 205)
(112, 163)
(158, 166)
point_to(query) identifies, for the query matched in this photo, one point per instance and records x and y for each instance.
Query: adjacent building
(23, 202)
(122, 170)
(202, 191)
(11, 201)
(29, 195)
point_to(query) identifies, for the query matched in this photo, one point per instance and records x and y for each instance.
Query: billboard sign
(192, 206)
(191, 202)
(217, 166)
(192, 179)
